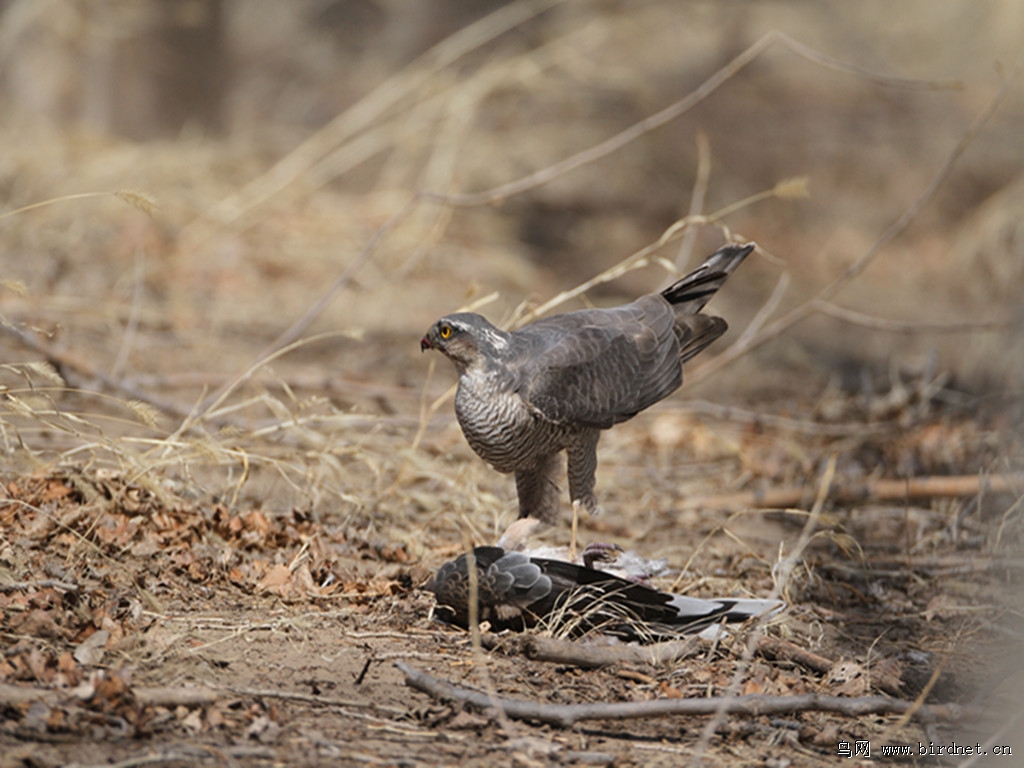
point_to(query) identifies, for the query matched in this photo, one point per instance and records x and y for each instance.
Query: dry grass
(179, 354)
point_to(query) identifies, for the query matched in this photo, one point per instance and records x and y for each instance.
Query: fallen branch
(567, 715)
(17, 695)
(199, 696)
(874, 490)
(18, 586)
(588, 656)
(781, 650)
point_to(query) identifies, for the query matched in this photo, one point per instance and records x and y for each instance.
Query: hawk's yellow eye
(446, 331)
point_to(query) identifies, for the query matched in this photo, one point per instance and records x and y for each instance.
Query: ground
(222, 501)
(122, 597)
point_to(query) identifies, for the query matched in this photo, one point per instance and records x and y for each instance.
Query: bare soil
(121, 598)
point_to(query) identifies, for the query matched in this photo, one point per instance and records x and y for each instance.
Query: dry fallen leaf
(668, 691)
(274, 579)
(90, 652)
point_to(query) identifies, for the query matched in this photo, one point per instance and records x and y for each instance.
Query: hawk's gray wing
(598, 367)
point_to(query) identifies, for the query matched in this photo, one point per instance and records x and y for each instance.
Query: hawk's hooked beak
(425, 344)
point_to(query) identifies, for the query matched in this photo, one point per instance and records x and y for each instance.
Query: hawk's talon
(600, 552)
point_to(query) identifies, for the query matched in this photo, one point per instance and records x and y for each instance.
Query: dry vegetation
(228, 472)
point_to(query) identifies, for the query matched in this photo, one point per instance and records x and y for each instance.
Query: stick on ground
(555, 651)
(567, 715)
(871, 490)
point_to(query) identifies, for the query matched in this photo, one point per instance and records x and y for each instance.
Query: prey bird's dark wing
(586, 599)
(507, 583)
(517, 591)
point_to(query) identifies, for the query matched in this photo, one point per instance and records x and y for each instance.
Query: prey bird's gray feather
(524, 396)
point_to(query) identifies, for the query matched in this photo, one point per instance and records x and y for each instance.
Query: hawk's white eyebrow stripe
(497, 340)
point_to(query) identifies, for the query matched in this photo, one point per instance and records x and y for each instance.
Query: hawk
(527, 395)
(517, 591)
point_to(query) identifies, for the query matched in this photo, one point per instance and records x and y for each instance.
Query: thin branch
(671, 112)
(865, 74)
(700, 188)
(20, 586)
(766, 310)
(742, 415)
(297, 328)
(897, 326)
(635, 260)
(139, 200)
(128, 339)
(567, 715)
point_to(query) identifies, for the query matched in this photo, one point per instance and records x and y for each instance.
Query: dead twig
(139, 200)
(362, 115)
(756, 419)
(68, 362)
(674, 110)
(568, 652)
(782, 650)
(14, 695)
(19, 586)
(953, 486)
(700, 188)
(292, 333)
(897, 326)
(567, 715)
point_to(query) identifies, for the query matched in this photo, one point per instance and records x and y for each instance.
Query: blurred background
(279, 140)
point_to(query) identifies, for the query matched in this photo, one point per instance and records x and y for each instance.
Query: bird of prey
(516, 591)
(526, 395)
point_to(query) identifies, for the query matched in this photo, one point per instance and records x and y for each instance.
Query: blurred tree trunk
(190, 65)
(142, 69)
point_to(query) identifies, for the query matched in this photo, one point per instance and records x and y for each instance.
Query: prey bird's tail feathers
(689, 294)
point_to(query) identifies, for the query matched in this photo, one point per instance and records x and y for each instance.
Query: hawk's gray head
(465, 338)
